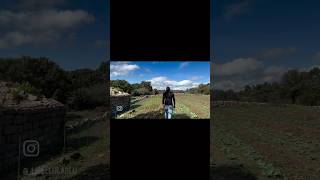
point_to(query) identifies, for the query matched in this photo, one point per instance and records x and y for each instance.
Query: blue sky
(73, 33)
(258, 40)
(177, 75)
(253, 41)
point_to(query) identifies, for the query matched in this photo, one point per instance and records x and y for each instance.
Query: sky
(175, 74)
(254, 41)
(72, 33)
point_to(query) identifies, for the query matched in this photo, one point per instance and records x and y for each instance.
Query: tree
(147, 85)
(123, 85)
(141, 91)
(41, 73)
(155, 91)
(292, 82)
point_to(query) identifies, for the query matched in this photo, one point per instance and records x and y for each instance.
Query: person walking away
(168, 102)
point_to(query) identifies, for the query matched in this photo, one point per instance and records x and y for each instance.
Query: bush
(88, 98)
(28, 88)
(16, 95)
(22, 90)
(201, 89)
(141, 91)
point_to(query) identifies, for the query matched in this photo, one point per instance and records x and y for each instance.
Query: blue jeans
(168, 110)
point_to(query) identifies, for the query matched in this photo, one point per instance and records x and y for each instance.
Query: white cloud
(39, 27)
(244, 71)
(194, 78)
(275, 70)
(235, 84)
(14, 39)
(162, 82)
(122, 69)
(45, 19)
(184, 64)
(237, 67)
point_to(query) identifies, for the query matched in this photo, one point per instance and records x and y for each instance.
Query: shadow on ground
(181, 116)
(216, 173)
(159, 115)
(72, 116)
(82, 127)
(133, 106)
(95, 172)
(235, 172)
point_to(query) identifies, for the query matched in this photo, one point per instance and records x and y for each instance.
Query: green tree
(123, 85)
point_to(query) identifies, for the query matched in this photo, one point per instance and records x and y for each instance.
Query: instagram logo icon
(31, 148)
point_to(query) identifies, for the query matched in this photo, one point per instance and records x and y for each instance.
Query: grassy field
(187, 106)
(265, 142)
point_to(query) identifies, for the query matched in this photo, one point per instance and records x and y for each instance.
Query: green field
(188, 106)
(265, 142)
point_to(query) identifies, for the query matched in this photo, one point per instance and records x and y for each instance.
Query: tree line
(79, 89)
(201, 89)
(136, 89)
(145, 88)
(295, 87)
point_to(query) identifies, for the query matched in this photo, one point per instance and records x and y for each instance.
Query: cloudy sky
(177, 75)
(71, 32)
(258, 40)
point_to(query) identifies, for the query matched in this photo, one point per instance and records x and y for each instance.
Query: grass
(187, 106)
(91, 142)
(271, 142)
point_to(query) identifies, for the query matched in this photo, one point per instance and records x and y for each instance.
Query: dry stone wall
(42, 123)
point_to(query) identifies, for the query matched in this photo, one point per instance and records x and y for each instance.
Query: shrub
(28, 88)
(20, 92)
(88, 98)
(141, 91)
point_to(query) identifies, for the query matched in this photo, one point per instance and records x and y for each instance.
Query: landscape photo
(53, 98)
(265, 121)
(137, 89)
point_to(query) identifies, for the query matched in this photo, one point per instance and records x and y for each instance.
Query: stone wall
(43, 123)
(122, 100)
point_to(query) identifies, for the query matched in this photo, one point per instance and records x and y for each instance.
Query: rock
(32, 97)
(23, 94)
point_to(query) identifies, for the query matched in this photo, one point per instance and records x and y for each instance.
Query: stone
(32, 97)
